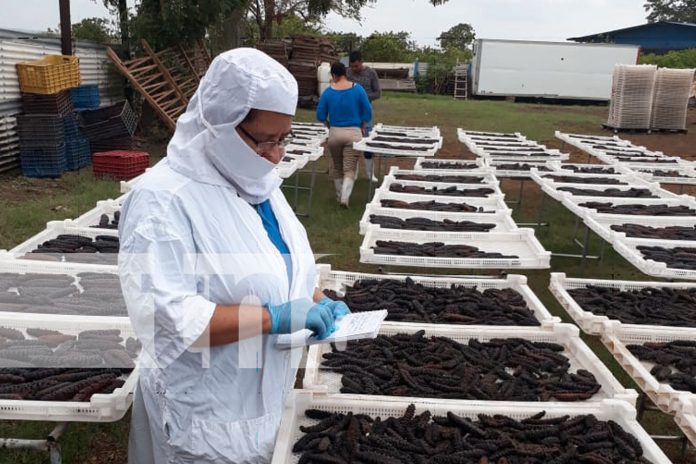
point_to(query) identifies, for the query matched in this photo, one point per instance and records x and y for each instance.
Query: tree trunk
(268, 15)
(123, 21)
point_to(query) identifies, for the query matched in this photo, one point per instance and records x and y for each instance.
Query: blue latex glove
(302, 314)
(338, 308)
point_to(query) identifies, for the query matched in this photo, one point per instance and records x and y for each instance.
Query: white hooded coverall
(190, 240)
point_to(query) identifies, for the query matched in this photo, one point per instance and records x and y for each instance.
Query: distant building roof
(660, 36)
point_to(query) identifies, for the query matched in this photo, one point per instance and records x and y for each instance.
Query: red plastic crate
(120, 164)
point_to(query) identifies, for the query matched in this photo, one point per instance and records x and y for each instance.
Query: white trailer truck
(557, 70)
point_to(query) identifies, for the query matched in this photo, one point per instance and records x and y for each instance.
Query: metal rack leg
(50, 444)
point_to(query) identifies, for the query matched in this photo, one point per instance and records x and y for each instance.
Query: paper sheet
(353, 326)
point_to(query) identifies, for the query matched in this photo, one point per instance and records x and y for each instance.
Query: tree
(460, 36)
(388, 46)
(93, 29)
(266, 12)
(164, 23)
(683, 11)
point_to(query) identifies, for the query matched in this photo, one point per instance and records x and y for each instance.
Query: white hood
(207, 148)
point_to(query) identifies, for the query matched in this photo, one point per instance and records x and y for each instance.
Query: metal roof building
(659, 37)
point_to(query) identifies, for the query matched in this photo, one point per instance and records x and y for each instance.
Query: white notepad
(353, 326)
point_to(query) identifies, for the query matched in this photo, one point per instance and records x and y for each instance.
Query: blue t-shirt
(270, 223)
(344, 108)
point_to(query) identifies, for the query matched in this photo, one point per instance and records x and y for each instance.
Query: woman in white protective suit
(213, 263)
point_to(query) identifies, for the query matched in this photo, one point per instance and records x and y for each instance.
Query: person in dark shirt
(345, 108)
(367, 78)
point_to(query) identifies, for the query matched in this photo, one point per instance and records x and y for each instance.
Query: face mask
(254, 177)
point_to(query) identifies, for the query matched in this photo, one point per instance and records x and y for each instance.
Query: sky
(554, 20)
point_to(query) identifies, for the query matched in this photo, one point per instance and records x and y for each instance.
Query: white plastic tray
(521, 157)
(433, 131)
(522, 243)
(647, 173)
(486, 173)
(669, 400)
(314, 153)
(293, 416)
(578, 353)
(627, 179)
(502, 219)
(593, 324)
(101, 407)
(491, 203)
(467, 134)
(127, 185)
(91, 217)
(53, 229)
(395, 149)
(627, 248)
(286, 169)
(26, 266)
(687, 424)
(339, 280)
(463, 162)
(415, 136)
(565, 168)
(573, 203)
(496, 164)
(388, 181)
(301, 160)
(601, 225)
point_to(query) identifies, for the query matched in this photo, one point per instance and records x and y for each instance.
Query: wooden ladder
(460, 83)
(156, 85)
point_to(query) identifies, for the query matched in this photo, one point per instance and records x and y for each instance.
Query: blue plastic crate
(77, 153)
(85, 97)
(43, 162)
(71, 127)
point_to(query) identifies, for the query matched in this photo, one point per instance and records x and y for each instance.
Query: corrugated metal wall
(94, 68)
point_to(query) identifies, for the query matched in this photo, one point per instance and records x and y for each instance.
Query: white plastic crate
(594, 324)
(490, 203)
(293, 416)
(395, 149)
(91, 217)
(339, 280)
(566, 168)
(101, 407)
(463, 162)
(626, 179)
(602, 225)
(502, 219)
(54, 229)
(577, 352)
(627, 248)
(669, 400)
(127, 185)
(462, 188)
(521, 156)
(521, 243)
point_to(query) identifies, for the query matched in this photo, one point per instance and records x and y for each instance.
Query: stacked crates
(120, 164)
(632, 91)
(110, 127)
(49, 135)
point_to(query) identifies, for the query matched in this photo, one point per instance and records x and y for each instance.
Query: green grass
(334, 231)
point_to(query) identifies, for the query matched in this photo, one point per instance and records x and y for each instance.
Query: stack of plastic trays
(671, 99)
(631, 97)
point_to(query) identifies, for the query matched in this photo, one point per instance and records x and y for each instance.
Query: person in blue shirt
(345, 109)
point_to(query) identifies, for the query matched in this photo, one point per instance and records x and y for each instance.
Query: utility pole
(65, 28)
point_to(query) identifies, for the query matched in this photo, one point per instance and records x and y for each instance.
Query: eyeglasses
(265, 147)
